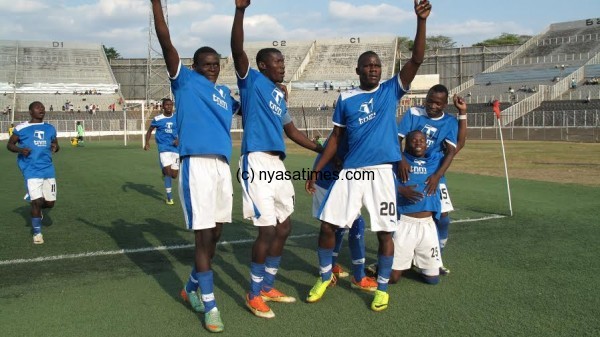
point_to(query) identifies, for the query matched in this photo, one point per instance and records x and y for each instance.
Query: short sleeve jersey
(370, 121)
(439, 131)
(38, 138)
(166, 132)
(264, 113)
(420, 169)
(204, 114)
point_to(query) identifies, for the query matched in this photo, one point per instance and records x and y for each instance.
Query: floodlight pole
(14, 106)
(505, 166)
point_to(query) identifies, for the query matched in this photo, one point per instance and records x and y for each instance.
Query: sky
(124, 24)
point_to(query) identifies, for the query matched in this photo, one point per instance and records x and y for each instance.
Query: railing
(514, 54)
(580, 125)
(304, 62)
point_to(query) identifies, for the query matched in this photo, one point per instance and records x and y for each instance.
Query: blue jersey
(264, 113)
(166, 132)
(438, 131)
(330, 173)
(420, 169)
(37, 137)
(370, 121)
(204, 113)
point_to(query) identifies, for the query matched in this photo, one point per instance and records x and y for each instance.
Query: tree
(503, 40)
(111, 53)
(439, 42)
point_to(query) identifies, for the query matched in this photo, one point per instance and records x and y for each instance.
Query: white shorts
(445, 199)
(205, 191)
(317, 200)
(416, 242)
(376, 190)
(169, 159)
(266, 199)
(42, 188)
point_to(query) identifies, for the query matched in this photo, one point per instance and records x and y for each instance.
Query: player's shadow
(131, 238)
(25, 213)
(144, 189)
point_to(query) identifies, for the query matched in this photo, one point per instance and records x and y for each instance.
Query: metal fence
(574, 125)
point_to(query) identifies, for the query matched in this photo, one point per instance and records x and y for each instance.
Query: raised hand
(422, 8)
(242, 4)
(459, 103)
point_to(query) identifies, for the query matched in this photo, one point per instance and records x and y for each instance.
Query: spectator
(511, 90)
(573, 83)
(588, 98)
(51, 108)
(316, 86)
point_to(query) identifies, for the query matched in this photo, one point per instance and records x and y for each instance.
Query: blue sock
(192, 283)
(356, 241)
(442, 225)
(257, 273)
(205, 279)
(168, 182)
(271, 268)
(433, 280)
(339, 239)
(36, 223)
(325, 258)
(384, 271)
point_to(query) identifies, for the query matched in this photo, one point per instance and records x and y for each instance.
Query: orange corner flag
(496, 105)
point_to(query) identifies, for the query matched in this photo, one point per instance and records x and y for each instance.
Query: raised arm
(240, 59)
(461, 105)
(410, 68)
(164, 38)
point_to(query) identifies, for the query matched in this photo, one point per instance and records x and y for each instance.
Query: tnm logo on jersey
(367, 109)
(278, 97)
(220, 101)
(39, 138)
(431, 133)
(419, 168)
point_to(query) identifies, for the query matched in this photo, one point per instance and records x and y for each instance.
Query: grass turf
(531, 274)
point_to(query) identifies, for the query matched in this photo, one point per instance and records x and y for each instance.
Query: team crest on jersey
(169, 126)
(39, 136)
(220, 100)
(430, 132)
(420, 162)
(366, 108)
(278, 97)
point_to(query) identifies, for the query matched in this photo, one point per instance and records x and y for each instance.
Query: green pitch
(116, 257)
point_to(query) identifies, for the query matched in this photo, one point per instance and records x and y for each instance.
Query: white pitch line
(493, 216)
(127, 251)
(174, 247)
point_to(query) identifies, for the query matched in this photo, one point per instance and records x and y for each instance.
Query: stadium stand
(55, 73)
(536, 66)
(294, 52)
